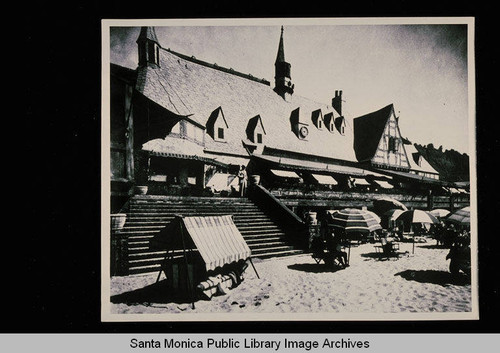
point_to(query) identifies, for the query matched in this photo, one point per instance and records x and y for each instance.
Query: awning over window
(384, 184)
(313, 166)
(360, 181)
(222, 181)
(230, 160)
(325, 179)
(285, 173)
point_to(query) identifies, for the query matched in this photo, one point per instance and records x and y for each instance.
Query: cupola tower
(149, 48)
(282, 79)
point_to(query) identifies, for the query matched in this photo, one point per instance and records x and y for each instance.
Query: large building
(179, 124)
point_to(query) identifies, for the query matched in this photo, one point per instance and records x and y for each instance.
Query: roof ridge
(217, 67)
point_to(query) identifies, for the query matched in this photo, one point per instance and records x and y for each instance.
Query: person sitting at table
(334, 247)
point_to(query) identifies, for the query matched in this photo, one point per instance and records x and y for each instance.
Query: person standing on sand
(242, 177)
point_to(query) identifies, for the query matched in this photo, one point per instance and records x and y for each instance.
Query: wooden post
(164, 263)
(251, 262)
(190, 285)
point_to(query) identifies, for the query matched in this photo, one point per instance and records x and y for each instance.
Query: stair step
(269, 225)
(254, 240)
(279, 254)
(272, 248)
(149, 214)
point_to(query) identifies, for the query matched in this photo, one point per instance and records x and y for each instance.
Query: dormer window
(317, 119)
(217, 125)
(417, 157)
(255, 130)
(220, 133)
(329, 121)
(340, 124)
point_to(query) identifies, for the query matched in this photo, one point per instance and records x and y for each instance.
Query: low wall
(343, 199)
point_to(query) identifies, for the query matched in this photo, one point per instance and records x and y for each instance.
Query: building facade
(179, 123)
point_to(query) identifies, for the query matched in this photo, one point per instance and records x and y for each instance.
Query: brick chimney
(337, 102)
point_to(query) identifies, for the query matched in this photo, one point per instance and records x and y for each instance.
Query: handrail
(260, 193)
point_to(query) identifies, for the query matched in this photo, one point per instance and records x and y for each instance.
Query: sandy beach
(418, 282)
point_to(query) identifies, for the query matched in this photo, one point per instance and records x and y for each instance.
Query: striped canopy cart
(203, 250)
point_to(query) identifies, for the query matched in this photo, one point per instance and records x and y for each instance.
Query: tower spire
(281, 49)
(282, 78)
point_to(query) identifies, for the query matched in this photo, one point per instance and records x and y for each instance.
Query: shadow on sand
(158, 293)
(442, 278)
(315, 268)
(372, 255)
(433, 246)
(381, 257)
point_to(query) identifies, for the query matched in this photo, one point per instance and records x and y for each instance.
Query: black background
(51, 249)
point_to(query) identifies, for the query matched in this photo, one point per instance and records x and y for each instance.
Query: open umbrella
(439, 212)
(384, 204)
(388, 217)
(416, 216)
(377, 218)
(460, 217)
(352, 220)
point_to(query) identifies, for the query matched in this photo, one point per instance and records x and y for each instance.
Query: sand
(418, 282)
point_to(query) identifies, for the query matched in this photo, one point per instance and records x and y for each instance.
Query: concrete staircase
(147, 215)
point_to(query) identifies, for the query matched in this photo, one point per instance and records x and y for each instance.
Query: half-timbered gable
(377, 140)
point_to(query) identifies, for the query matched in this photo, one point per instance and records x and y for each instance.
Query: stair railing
(292, 224)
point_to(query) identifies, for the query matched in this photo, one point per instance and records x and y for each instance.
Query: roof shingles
(185, 88)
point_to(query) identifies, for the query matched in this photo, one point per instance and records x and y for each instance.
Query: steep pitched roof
(368, 130)
(191, 88)
(424, 166)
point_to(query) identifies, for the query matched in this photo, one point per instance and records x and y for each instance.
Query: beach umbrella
(416, 216)
(384, 204)
(440, 213)
(391, 215)
(354, 220)
(377, 218)
(460, 217)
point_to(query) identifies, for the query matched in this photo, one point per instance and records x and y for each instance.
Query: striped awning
(325, 179)
(217, 239)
